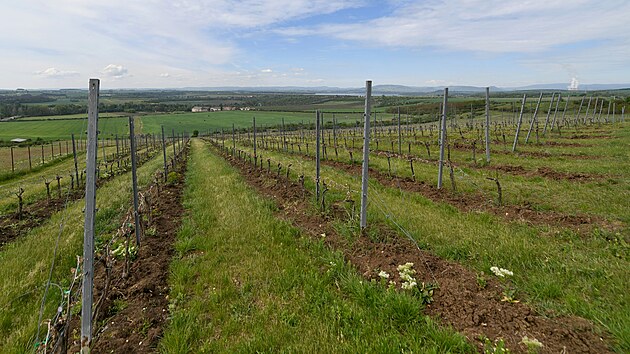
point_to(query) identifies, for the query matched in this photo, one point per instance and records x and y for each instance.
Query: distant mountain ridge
(404, 90)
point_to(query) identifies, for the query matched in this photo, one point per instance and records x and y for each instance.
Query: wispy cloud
(484, 25)
(55, 73)
(115, 71)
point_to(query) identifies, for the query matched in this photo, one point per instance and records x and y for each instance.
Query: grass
(33, 181)
(211, 121)
(59, 129)
(151, 124)
(244, 281)
(25, 263)
(561, 273)
(603, 196)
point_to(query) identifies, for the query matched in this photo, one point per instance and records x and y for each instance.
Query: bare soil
(134, 310)
(460, 301)
(580, 223)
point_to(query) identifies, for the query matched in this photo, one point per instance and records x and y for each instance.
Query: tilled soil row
(582, 224)
(134, 311)
(460, 301)
(471, 202)
(13, 225)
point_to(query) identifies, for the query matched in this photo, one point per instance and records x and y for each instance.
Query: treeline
(23, 110)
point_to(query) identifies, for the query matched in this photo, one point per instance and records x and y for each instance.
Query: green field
(58, 129)
(151, 124)
(558, 270)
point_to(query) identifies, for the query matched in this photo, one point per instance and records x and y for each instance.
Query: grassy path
(561, 273)
(244, 281)
(25, 263)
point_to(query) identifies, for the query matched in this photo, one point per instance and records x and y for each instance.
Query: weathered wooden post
(76, 164)
(317, 156)
(487, 124)
(255, 154)
(90, 210)
(30, 162)
(366, 154)
(12, 162)
(442, 138)
(553, 96)
(534, 119)
(588, 107)
(399, 134)
(233, 140)
(134, 180)
(164, 155)
(518, 124)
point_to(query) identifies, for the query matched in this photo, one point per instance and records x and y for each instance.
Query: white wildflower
(531, 342)
(383, 274)
(500, 272)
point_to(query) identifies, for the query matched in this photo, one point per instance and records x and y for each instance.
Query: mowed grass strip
(245, 281)
(558, 274)
(25, 263)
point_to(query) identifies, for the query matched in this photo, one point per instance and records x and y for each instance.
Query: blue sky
(193, 43)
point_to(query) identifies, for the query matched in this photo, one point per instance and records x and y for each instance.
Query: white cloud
(497, 26)
(165, 75)
(115, 71)
(437, 82)
(266, 71)
(55, 73)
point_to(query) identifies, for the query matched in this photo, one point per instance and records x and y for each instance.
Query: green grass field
(566, 273)
(244, 281)
(58, 129)
(25, 263)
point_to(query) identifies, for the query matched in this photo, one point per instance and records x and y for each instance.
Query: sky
(213, 43)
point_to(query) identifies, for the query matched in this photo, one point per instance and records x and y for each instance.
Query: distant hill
(402, 90)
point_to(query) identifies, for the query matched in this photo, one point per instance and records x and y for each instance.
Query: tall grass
(25, 263)
(245, 281)
(557, 272)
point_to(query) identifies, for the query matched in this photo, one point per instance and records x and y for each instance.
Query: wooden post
(442, 138)
(564, 111)
(90, 210)
(317, 157)
(173, 140)
(534, 120)
(30, 163)
(553, 96)
(12, 162)
(134, 179)
(164, 154)
(254, 128)
(366, 154)
(399, 134)
(518, 124)
(76, 164)
(577, 116)
(488, 124)
(588, 107)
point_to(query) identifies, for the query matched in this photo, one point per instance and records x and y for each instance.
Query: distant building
(18, 140)
(197, 109)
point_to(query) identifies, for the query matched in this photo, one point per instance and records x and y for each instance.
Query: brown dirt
(545, 172)
(582, 224)
(137, 326)
(33, 215)
(459, 301)
(12, 227)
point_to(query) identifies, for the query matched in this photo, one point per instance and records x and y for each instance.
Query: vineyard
(476, 226)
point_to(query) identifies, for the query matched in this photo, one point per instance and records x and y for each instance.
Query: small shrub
(172, 177)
